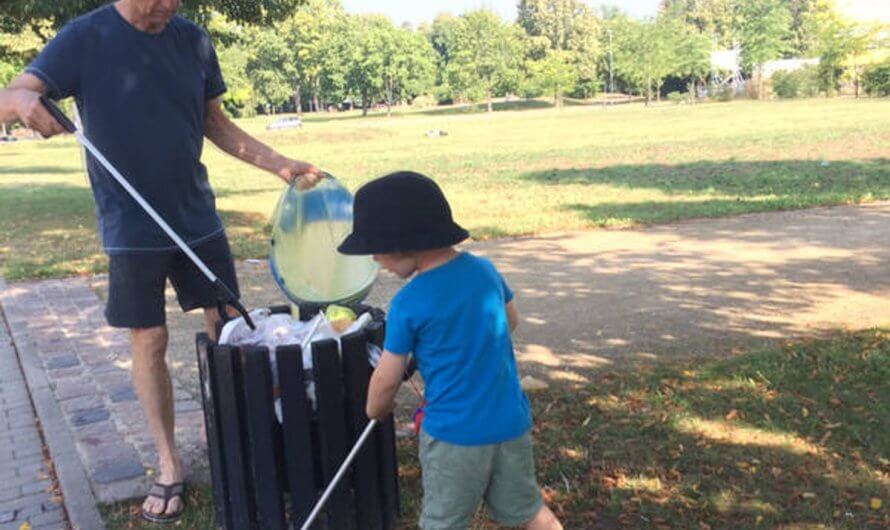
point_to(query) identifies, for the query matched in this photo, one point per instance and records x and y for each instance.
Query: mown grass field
(520, 171)
(793, 437)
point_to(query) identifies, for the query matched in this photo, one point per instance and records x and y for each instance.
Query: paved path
(588, 300)
(87, 367)
(26, 485)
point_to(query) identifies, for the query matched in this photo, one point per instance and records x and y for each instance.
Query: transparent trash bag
(307, 227)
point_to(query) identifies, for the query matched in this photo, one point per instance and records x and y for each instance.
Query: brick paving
(87, 365)
(26, 485)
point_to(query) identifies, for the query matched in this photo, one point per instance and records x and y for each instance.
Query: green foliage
(555, 74)
(764, 31)
(876, 79)
(834, 39)
(271, 66)
(566, 25)
(647, 52)
(485, 56)
(16, 15)
(423, 101)
(803, 82)
(678, 97)
(239, 99)
(717, 19)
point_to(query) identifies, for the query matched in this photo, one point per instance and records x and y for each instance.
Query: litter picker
(225, 296)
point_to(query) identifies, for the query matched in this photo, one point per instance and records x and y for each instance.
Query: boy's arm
(385, 382)
(512, 316)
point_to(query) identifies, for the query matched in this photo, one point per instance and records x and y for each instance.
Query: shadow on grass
(788, 438)
(786, 178)
(39, 170)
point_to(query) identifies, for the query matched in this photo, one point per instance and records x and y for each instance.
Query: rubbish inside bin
(281, 329)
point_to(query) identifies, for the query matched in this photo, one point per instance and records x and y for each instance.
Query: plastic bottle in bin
(307, 227)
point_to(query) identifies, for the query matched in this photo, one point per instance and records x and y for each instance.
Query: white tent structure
(726, 70)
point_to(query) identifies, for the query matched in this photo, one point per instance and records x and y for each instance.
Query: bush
(725, 93)
(876, 79)
(678, 97)
(424, 101)
(798, 83)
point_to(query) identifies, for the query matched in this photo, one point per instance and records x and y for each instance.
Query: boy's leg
(513, 496)
(543, 520)
(454, 482)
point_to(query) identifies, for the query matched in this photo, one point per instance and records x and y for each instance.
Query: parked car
(290, 122)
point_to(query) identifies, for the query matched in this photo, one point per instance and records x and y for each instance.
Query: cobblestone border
(79, 501)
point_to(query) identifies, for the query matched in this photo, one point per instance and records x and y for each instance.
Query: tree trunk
(658, 92)
(488, 99)
(760, 82)
(389, 91)
(298, 100)
(648, 91)
(5, 133)
(365, 104)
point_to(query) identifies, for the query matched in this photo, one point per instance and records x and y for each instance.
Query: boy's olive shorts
(456, 478)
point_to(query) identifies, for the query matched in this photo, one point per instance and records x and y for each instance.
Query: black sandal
(166, 494)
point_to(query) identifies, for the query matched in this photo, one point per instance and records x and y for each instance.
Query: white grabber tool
(225, 296)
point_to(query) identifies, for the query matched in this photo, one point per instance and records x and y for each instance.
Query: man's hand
(302, 174)
(34, 115)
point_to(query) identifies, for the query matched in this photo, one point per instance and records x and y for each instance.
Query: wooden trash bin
(266, 474)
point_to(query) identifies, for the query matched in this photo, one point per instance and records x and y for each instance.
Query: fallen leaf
(758, 519)
(731, 415)
(25, 526)
(805, 412)
(875, 503)
(808, 495)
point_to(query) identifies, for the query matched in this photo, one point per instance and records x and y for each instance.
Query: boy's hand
(384, 385)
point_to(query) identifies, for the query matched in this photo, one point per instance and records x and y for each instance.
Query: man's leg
(155, 391)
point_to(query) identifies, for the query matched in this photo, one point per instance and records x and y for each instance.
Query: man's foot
(170, 497)
(161, 504)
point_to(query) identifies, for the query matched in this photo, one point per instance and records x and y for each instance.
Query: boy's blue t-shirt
(453, 319)
(142, 99)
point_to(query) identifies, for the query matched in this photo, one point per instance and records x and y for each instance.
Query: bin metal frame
(268, 475)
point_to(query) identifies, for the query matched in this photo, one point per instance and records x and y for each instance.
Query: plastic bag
(281, 329)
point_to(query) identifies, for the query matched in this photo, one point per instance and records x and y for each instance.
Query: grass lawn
(792, 438)
(506, 173)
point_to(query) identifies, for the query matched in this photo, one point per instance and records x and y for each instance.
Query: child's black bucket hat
(401, 212)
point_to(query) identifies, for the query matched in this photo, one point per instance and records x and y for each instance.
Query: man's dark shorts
(136, 283)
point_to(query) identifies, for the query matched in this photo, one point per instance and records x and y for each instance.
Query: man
(148, 87)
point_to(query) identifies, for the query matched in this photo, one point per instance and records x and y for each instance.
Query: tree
(271, 65)
(16, 15)
(555, 74)
(486, 55)
(764, 34)
(568, 25)
(408, 65)
(365, 73)
(834, 40)
(718, 20)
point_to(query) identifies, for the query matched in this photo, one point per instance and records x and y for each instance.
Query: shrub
(798, 83)
(876, 79)
(678, 97)
(424, 101)
(725, 93)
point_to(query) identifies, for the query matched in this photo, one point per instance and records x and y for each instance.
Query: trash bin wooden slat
(261, 428)
(296, 412)
(356, 375)
(331, 427)
(221, 510)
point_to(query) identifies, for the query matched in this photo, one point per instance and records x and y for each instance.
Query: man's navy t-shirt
(141, 99)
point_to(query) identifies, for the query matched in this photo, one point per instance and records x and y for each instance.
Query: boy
(455, 316)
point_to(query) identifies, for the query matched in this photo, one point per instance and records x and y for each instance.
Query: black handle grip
(57, 114)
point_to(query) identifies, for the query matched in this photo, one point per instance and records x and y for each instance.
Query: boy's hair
(403, 211)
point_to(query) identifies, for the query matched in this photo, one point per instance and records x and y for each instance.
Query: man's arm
(220, 130)
(385, 383)
(20, 101)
